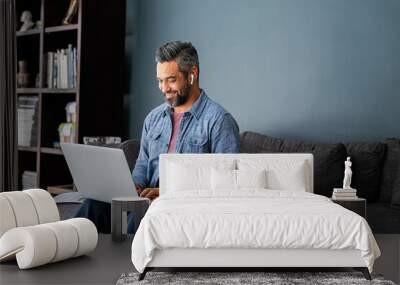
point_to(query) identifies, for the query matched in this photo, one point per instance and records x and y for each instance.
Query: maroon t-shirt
(176, 123)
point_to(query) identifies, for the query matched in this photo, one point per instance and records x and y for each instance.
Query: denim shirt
(205, 128)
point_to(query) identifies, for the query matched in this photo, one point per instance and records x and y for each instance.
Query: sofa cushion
(367, 161)
(328, 157)
(257, 143)
(383, 219)
(390, 168)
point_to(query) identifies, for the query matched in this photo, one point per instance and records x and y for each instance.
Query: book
(50, 58)
(64, 67)
(55, 60)
(70, 67)
(59, 69)
(74, 67)
(341, 190)
(345, 194)
(344, 198)
(29, 179)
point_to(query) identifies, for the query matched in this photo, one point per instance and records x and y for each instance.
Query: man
(188, 122)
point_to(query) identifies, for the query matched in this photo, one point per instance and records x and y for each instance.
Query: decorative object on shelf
(26, 19)
(38, 25)
(72, 10)
(70, 110)
(101, 140)
(66, 130)
(67, 133)
(346, 193)
(23, 77)
(347, 174)
(37, 81)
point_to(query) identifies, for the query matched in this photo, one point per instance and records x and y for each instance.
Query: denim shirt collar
(197, 108)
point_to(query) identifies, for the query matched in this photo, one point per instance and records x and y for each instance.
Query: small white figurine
(26, 19)
(38, 24)
(347, 174)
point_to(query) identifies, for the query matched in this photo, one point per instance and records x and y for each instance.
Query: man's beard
(181, 97)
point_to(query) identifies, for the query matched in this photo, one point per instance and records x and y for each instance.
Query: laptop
(100, 173)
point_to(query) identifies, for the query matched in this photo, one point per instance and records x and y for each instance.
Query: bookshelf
(97, 31)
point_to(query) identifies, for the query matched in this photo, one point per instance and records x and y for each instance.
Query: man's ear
(193, 74)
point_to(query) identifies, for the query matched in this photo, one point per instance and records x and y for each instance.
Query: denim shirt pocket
(155, 143)
(197, 144)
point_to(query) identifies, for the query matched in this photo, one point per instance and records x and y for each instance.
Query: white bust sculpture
(26, 19)
(347, 174)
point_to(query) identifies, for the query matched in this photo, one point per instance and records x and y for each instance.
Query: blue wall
(307, 69)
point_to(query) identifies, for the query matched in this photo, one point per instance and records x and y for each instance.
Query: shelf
(61, 28)
(27, 148)
(29, 33)
(28, 90)
(51, 150)
(59, 90)
(45, 90)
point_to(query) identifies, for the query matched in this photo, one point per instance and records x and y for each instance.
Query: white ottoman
(31, 232)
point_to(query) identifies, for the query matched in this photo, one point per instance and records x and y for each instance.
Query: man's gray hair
(184, 53)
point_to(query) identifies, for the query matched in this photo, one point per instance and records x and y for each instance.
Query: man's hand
(150, 193)
(138, 190)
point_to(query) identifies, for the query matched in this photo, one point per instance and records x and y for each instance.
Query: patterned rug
(270, 278)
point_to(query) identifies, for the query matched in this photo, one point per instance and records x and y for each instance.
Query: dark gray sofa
(376, 170)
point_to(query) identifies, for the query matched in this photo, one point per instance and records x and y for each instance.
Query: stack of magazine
(27, 120)
(29, 179)
(344, 194)
(61, 68)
